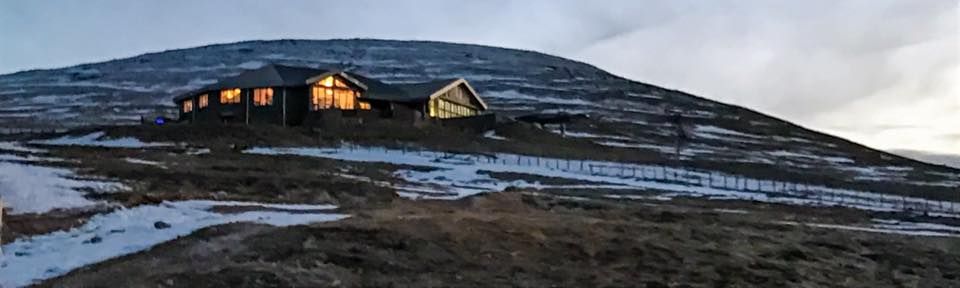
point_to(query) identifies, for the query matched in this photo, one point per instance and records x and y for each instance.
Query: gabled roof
(350, 77)
(418, 92)
(377, 90)
(422, 91)
(272, 75)
(269, 76)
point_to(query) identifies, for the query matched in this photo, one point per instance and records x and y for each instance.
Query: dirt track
(513, 239)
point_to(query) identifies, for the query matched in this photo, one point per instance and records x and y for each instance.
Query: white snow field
(36, 189)
(127, 231)
(27, 187)
(459, 175)
(97, 139)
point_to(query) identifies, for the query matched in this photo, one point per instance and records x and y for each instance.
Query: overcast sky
(883, 73)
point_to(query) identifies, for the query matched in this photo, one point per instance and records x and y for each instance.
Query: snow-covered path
(127, 231)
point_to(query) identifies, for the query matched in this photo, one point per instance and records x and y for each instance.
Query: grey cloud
(799, 60)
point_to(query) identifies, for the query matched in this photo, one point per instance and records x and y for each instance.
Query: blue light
(160, 121)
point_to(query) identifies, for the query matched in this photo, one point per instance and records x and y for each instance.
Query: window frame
(445, 109)
(332, 93)
(225, 92)
(263, 96)
(203, 101)
(187, 106)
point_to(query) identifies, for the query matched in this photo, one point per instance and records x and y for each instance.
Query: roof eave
(456, 83)
(343, 75)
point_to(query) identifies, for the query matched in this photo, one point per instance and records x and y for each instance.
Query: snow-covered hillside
(624, 114)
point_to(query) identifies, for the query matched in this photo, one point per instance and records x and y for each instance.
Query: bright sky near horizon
(885, 73)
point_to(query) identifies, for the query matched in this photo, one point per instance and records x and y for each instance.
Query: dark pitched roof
(402, 92)
(376, 89)
(272, 75)
(268, 76)
(422, 91)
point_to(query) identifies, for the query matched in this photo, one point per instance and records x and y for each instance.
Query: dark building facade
(293, 96)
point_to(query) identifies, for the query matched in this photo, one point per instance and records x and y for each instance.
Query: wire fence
(759, 189)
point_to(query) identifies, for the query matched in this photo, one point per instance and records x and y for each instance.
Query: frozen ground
(97, 139)
(127, 231)
(36, 189)
(28, 187)
(459, 175)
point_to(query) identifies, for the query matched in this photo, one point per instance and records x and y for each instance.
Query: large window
(332, 93)
(203, 100)
(263, 96)
(230, 96)
(440, 108)
(188, 106)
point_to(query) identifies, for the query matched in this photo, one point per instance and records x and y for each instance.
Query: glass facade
(332, 93)
(443, 109)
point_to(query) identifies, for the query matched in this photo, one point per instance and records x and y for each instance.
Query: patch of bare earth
(518, 239)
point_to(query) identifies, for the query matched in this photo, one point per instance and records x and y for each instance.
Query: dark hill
(624, 114)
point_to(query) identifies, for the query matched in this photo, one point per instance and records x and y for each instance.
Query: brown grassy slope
(517, 240)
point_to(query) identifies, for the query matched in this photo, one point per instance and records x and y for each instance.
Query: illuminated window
(443, 109)
(204, 100)
(364, 105)
(187, 106)
(230, 96)
(263, 96)
(332, 93)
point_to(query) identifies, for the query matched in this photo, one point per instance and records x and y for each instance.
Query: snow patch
(18, 147)
(96, 139)
(493, 135)
(127, 231)
(251, 65)
(200, 151)
(705, 130)
(881, 228)
(514, 95)
(145, 162)
(458, 175)
(576, 134)
(36, 189)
